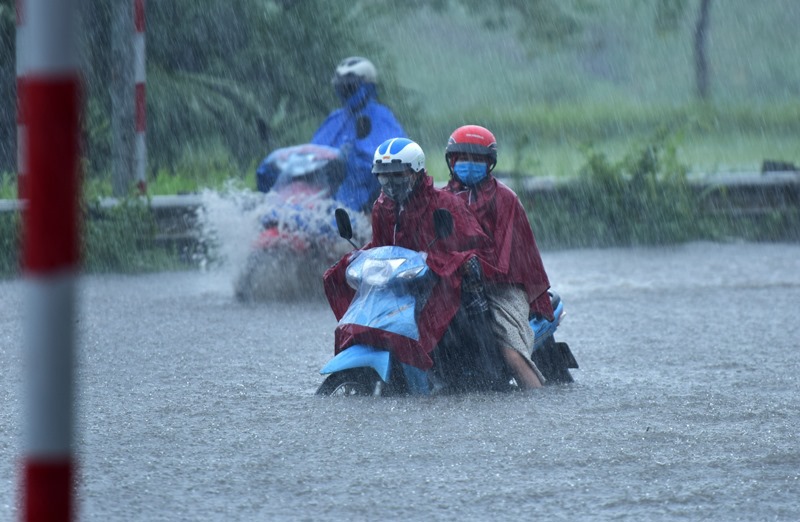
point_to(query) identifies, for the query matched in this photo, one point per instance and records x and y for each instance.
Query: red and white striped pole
(21, 69)
(51, 106)
(141, 99)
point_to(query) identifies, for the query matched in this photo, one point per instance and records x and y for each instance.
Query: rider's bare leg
(523, 373)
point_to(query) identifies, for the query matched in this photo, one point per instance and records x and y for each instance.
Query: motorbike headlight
(378, 272)
(352, 275)
(381, 272)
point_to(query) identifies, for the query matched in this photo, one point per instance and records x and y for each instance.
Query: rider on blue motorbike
(357, 128)
(403, 216)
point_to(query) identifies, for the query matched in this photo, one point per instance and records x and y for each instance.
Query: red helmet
(473, 140)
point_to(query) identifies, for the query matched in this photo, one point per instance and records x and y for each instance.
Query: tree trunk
(122, 98)
(700, 61)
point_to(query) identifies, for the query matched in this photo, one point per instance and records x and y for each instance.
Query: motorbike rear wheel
(356, 382)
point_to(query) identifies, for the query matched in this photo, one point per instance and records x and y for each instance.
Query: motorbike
(391, 286)
(297, 238)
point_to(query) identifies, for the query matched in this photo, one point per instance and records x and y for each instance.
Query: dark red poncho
(411, 226)
(516, 257)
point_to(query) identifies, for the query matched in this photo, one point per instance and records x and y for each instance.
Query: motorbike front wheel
(356, 382)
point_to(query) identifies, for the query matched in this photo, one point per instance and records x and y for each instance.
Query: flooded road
(192, 406)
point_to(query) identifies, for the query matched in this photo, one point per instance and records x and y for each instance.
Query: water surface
(192, 406)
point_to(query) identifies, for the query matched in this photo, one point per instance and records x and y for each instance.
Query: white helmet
(398, 155)
(399, 163)
(355, 68)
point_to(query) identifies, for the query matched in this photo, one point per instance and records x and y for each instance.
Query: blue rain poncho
(360, 188)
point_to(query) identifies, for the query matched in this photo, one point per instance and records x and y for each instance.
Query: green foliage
(250, 75)
(230, 80)
(539, 139)
(646, 199)
(120, 239)
(220, 109)
(9, 243)
(96, 138)
(8, 88)
(669, 14)
(641, 199)
(210, 168)
(541, 24)
(7, 11)
(538, 23)
(596, 122)
(123, 238)
(253, 75)
(8, 185)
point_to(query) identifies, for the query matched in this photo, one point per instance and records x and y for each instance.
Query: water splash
(271, 246)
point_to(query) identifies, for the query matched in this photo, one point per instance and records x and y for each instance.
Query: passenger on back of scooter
(517, 282)
(403, 216)
(357, 128)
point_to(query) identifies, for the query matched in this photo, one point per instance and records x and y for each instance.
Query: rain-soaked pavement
(193, 406)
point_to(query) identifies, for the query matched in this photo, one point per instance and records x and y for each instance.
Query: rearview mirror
(343, 224)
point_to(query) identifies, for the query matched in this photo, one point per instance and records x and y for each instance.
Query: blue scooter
(391, 285)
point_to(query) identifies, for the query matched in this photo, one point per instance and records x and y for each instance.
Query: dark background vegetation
(231, 79)
(574, 89)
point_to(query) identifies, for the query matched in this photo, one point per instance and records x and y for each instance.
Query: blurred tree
(250, 75)
(551, 25)
(548, 23)
(8, 88)
(700, 39)
(121, 87)
(246, 75)
(668, 16)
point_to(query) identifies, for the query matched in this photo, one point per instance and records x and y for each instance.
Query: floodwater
(192, 406)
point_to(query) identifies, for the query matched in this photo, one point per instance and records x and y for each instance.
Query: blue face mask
(354, 96)
(470, 172)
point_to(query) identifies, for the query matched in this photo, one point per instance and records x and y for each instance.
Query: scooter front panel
(358, 356)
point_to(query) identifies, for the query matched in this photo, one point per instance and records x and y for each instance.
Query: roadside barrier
(735, 195)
